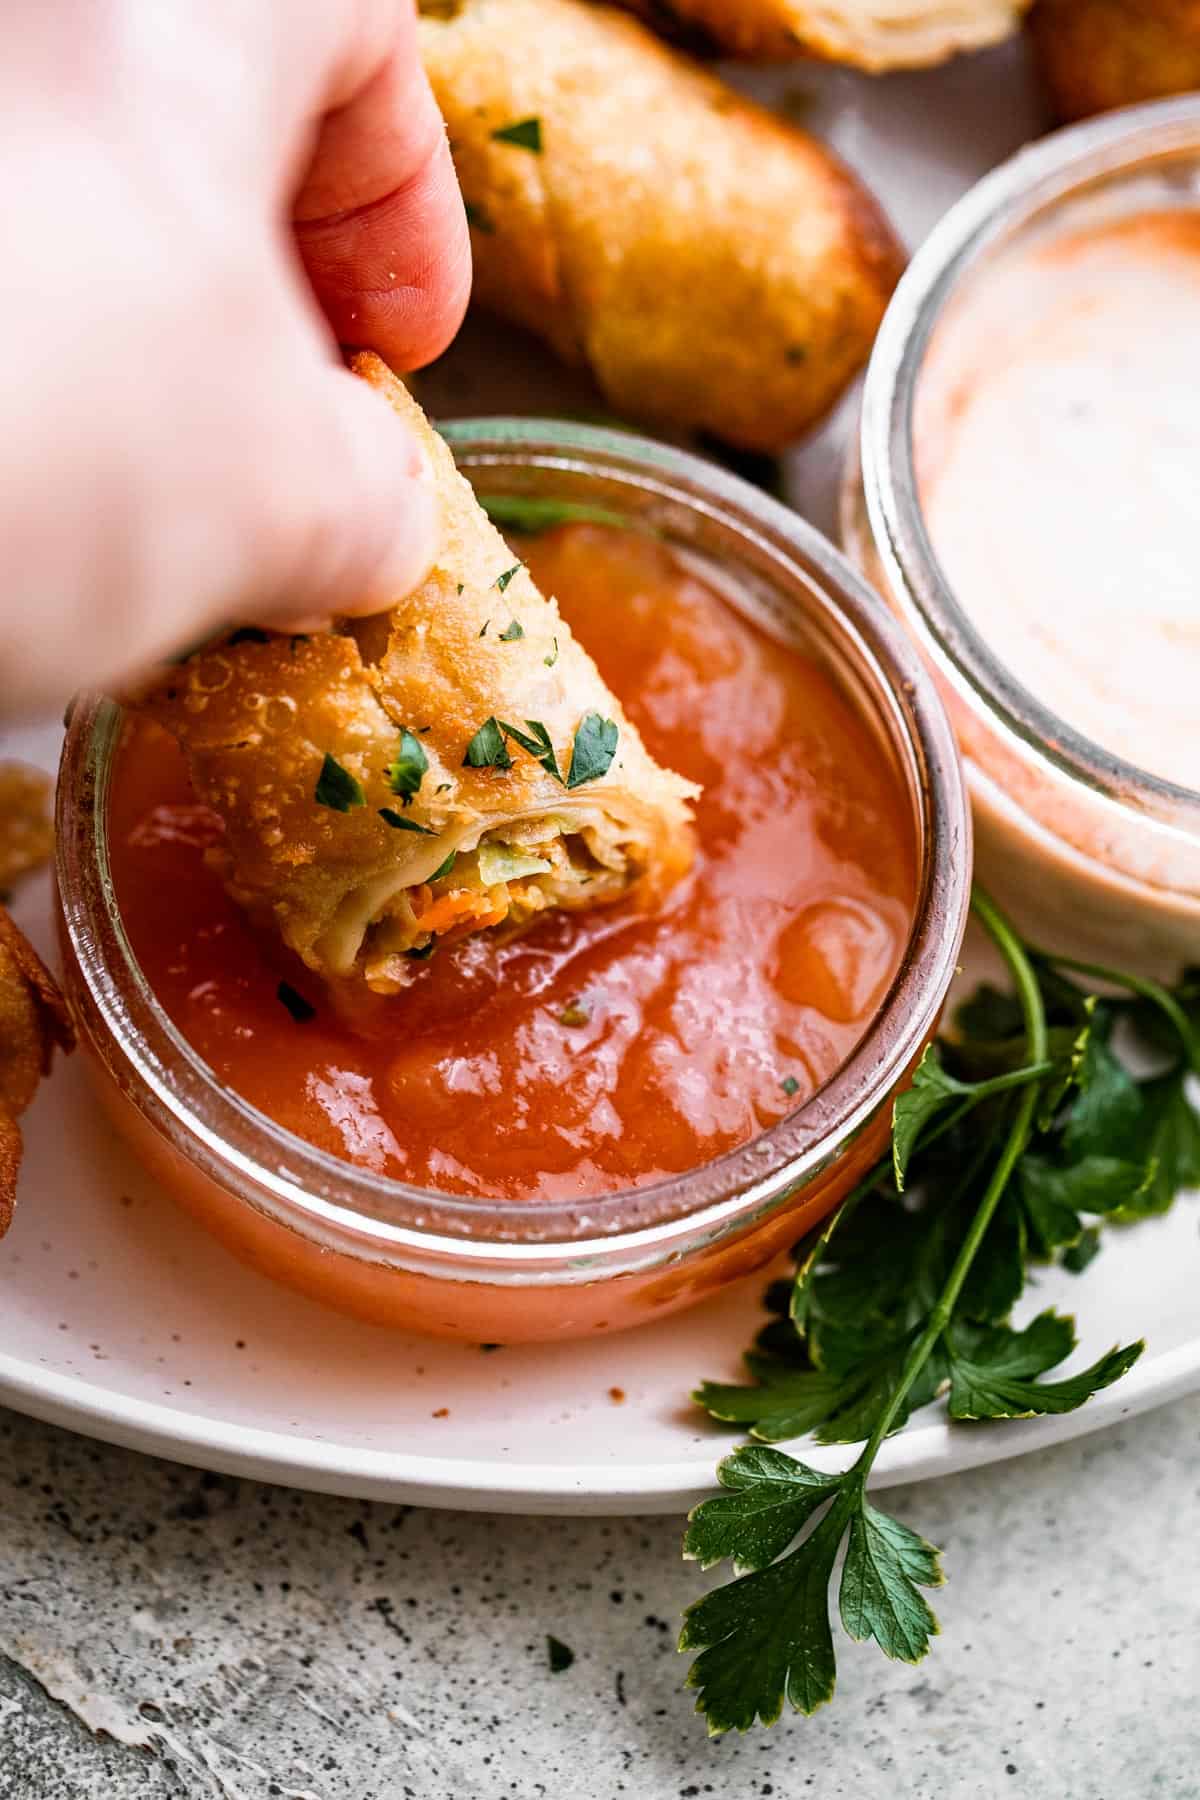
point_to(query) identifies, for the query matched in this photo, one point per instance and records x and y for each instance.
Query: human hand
(182, 446)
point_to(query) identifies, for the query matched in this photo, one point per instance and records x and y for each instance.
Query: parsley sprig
(1017, 1137)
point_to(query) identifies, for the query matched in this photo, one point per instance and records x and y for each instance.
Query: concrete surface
(169, 1634)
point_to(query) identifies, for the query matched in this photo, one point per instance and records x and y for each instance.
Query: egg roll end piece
(875, 35)
(1094, 55)
(33, 1023)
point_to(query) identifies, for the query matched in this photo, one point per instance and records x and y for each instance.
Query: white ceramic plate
(120, 1318)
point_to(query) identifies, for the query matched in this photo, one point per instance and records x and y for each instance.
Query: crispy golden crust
(257, 716)
(33, 1023)
(1097, 54)
(26, 828)
(868, 34)
(711, 264)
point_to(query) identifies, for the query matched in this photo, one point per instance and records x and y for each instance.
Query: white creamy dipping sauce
(1057, 436)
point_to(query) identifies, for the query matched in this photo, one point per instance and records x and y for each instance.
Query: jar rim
(316, 1190)
(1029, 185)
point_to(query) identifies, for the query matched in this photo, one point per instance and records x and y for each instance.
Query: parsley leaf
(302, 1010)
(993, 1370)
(406, 772)
(530, 514)
(594, 748)
(526, 134)
(766, 1637)
(444, 868)
(486, 749)
(1018, 1136)
(552, 656)
(337, 788)
(886, 1566)
(537, 743)
(502, 581)
(512, 631)
(398, 822)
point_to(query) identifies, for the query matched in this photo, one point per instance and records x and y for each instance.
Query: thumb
(358, 525)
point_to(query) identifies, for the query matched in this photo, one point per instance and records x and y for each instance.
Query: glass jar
(1089, 853)
(479, 1269)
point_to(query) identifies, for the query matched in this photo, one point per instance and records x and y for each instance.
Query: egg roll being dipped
(452, 766)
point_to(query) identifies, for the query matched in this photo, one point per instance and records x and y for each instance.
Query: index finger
(379, 220)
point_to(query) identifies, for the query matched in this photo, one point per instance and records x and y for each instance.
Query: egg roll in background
(26, 824)
(454, 765)
(713, 266)
(33, 1024)
(867, 34)
(1098, 54)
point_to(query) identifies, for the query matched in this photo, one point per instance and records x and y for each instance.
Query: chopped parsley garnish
(337, 787)
(530, 514)
(443, 787)
(559, 1655)
(503, 580)
(537, 743)
(398, 822)
(459, 588)
(1018, 1139)
(486, 749)
(553, 656)
(425, 951)
(478, 218)
(248, 634)
(301, 1009)
(595, 747)
(790, 1085)
(483, 628)
(526, 134)
(512, 631)
(575, 1012)
(406, 772)
(444, 868)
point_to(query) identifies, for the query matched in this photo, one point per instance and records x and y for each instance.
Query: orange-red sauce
(601, 1050)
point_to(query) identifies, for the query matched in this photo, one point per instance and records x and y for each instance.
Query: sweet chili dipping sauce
(602, 1050)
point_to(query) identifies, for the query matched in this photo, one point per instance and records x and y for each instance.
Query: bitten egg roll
(1098, 54)
(868, 34)
(712, 265)
(452, 766)
(33, 1023)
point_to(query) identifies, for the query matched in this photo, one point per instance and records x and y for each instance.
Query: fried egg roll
(1097, 54)
(713, 266)
(868, 34)
(454, 766)
(26, 827)
(33, 1023)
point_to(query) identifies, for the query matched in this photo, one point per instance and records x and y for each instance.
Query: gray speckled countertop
(165, 1633)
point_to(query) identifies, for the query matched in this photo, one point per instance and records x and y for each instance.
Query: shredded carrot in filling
(464, 907)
